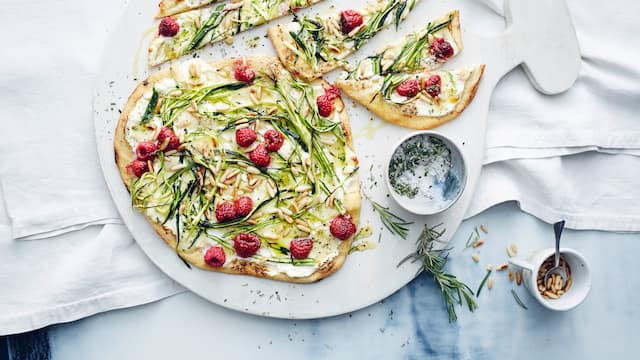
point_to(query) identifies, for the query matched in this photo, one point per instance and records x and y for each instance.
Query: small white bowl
(452, 187)
(580, 278)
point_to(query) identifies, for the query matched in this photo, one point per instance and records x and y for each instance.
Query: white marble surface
(410, 324)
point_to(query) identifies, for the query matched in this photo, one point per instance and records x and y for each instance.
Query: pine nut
(518, 278)
(478, 243)
(502, 267)
(490, 283)
(510, 275)
(304, 229)
(475, 257)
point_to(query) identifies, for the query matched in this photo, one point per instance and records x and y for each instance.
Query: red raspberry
(244, 205)
(166, 133)
(325, 105)
(432, 85)
(260, 156)
(274, 140)
(215, 257)
(226, 211)
(246, 245)
(245, 137)
(168, 27)
(300, 248)
(138, 167)
(349, 20)
(333, 92)
(146, 150)
(441, 49)
(409, 88)
(342, 227)
(243, 72)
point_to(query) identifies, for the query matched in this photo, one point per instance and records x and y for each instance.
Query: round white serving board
(366, 277)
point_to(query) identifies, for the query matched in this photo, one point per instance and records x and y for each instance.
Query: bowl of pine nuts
(556, 294)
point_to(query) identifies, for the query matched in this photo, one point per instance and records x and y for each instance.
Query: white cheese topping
(197, 129)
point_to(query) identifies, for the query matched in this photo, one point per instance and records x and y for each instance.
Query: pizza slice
(172, 7)
(417, 100)
(426, 49)
(312, 46)
(190, 30)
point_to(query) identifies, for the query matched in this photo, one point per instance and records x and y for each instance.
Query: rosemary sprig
(517, 298)
(395, 224)
(433, 262)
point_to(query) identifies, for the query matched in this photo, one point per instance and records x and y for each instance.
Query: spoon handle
(557, 228)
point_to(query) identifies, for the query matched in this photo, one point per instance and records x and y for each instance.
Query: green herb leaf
(395, 224)
(517, 298)
(151, 108)
(484, 280)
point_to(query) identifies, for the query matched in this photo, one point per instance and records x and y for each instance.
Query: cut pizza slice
(172, 7)
(187, 31)
(312, 46)
(427, 49)
(416, 100)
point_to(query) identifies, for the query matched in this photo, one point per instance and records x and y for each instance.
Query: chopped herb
(484, 280)
(517, 298)
(473, 238)
(151, 108)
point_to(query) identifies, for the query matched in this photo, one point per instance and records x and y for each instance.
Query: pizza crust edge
(401, 115)
(124, 155)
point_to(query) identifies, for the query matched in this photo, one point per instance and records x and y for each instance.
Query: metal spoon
(557, 269)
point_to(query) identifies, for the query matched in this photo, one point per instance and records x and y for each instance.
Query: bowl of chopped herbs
(426, 173)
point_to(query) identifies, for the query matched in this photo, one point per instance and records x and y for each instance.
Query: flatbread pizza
(403, 83)
(417, 100)
(187, 31)
(310, 47)
(243, 169)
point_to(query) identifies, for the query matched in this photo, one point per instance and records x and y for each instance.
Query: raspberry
(441, 49)
(274, 140)
(243, 72)
(138, 167)
(300, 248)
(244, 205)
(349, 20)
(342, 227)
(215, 257)
(172, 144)
(432, 85)
(226, 211)
(168, 27)
(325, 105)
(333, 92)
(409, 88)
(146, 150)
(246, 245)
(260, 156)
(245, 137)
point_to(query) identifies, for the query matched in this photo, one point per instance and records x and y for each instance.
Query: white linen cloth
(49, 169)
(52, 183)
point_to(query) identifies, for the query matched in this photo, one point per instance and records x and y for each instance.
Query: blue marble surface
(411, 324)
